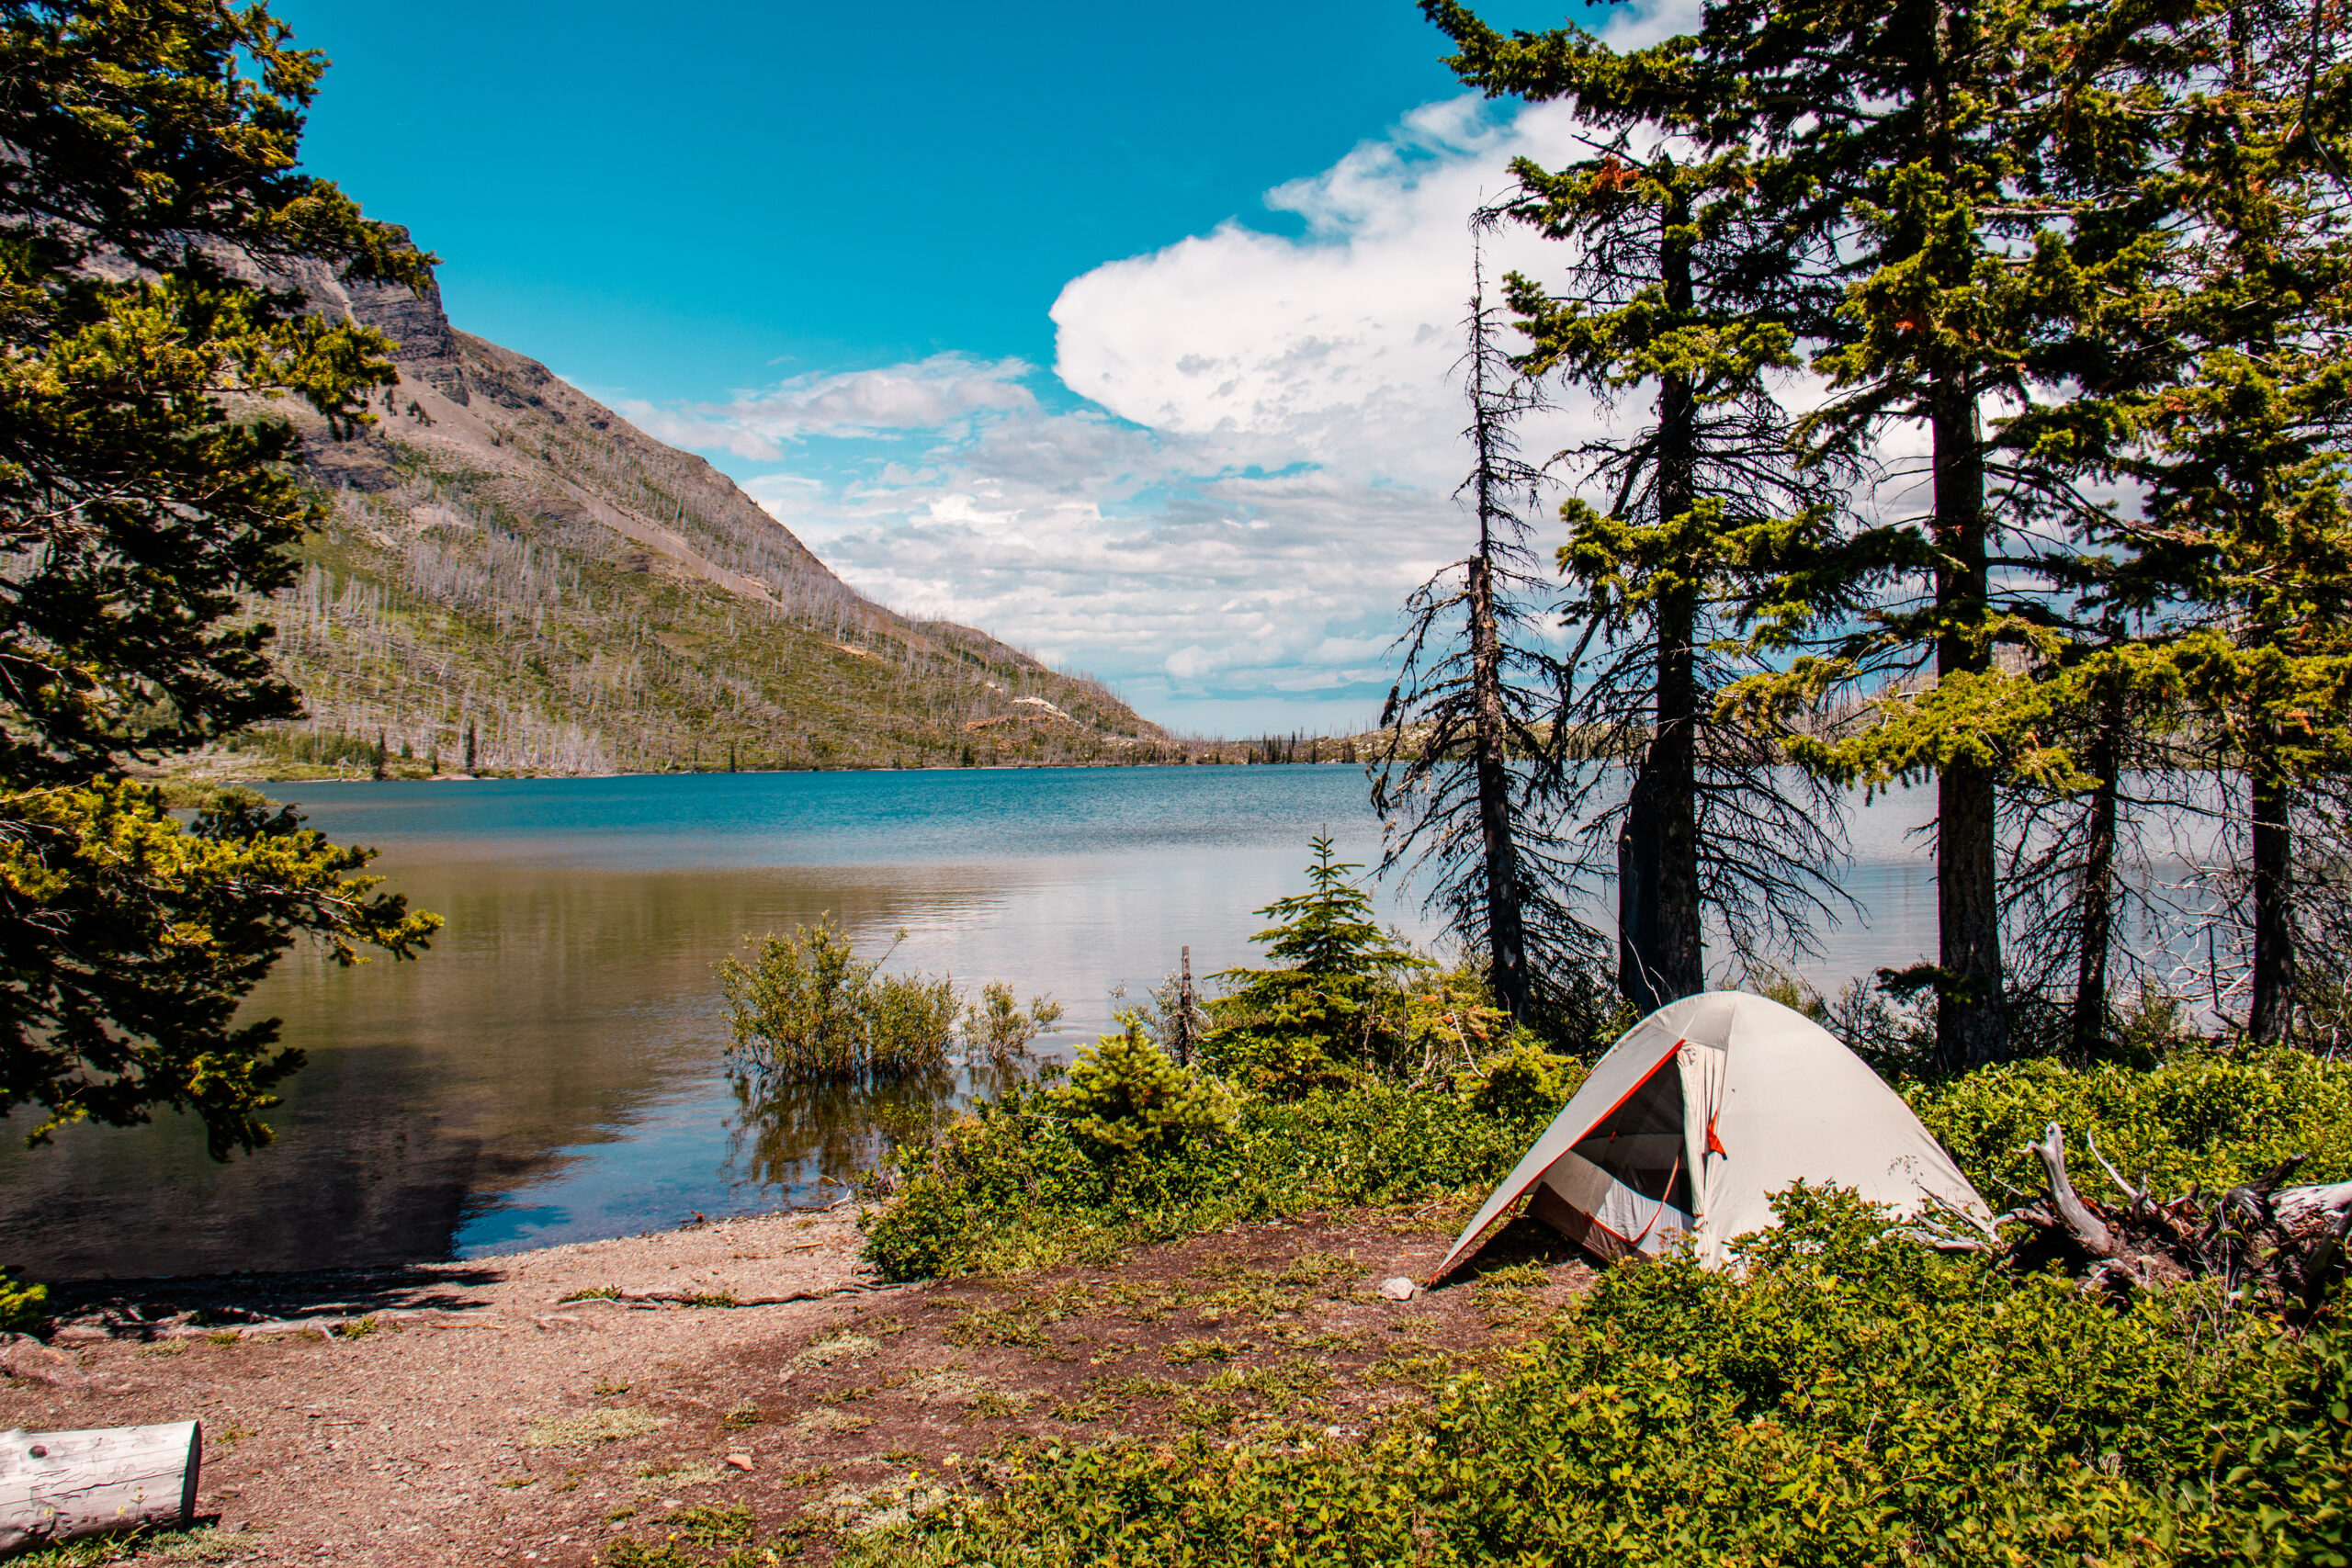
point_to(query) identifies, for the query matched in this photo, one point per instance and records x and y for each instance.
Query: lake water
(553, 1069)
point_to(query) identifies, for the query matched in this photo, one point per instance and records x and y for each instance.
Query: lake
(553, 1069)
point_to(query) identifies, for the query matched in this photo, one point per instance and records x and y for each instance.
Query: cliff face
(509, 555)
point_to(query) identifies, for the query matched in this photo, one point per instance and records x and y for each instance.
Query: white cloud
(1265, 471)
(1336, 347)
(924, 395)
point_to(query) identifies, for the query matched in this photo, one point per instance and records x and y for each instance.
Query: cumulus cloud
(1260, 470)
(1335, 347)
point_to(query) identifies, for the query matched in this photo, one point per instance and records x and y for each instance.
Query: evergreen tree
(1476, 691)
(149, 189)
(2247, 523)
(1674, 294)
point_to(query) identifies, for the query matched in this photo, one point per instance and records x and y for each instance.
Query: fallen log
(647, 1295)
(2262, 1239)
(58, 1487)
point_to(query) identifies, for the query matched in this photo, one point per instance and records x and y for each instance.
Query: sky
(1125, 333)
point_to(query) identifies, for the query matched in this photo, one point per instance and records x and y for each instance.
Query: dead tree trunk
(57, 1487)
(2280, 1245)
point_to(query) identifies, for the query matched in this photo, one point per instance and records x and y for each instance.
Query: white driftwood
(60, 1485)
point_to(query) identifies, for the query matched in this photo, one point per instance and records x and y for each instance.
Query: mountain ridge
(507, 558)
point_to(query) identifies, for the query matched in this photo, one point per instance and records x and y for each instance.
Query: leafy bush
(1013, 1186)
(996, 1028)
(1525, 1082)
(1127, 1099)
(20, 1304)
(2213, 1117)
(808, 1009)
(1856, 1400)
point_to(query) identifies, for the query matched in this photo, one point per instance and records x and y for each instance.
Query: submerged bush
(807, 1008)
(997, 1029)
(1856, 1400)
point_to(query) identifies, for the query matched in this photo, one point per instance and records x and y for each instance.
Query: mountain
(506, 557)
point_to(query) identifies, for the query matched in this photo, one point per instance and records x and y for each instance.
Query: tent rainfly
(1705, 1109)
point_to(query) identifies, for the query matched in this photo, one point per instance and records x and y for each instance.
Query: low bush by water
(808, 1009)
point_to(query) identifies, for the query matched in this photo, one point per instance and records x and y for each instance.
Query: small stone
(1399, 1289)
(740, 1462)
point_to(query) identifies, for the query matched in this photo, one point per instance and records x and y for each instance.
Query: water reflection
(784, 1134)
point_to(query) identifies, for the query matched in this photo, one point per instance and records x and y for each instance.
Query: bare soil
(469, 1413)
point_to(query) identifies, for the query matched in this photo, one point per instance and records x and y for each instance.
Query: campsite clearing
(558, 1429)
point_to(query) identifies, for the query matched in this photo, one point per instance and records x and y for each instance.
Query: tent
(1705, 1109)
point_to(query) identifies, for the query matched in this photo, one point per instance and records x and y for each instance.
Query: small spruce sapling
(1128, 1099)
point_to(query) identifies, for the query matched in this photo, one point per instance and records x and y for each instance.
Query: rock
(31, 1359)
(1399, 1289)
(739, 1462)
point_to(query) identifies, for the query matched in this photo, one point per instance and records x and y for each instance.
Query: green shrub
(808, 1009)
(1011, 1186)
(20, 1304)
(2207, 1116)
(1127, 1099)
(1525, 1082)
(1855, 1401)
(997, 1028)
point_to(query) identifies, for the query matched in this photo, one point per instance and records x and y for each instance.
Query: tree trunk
(1661, 953)
(1971, 1024)
(2097, 925)
(1506, 937)
(2271, 1015)
(57, 1487)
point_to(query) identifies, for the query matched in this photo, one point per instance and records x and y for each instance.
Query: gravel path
(378, 1427)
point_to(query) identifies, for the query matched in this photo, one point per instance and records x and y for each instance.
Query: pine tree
(2245, 533)
(1477, 692)
(1672, 294)
(150, 176)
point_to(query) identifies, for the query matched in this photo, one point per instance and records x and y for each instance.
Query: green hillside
(508, 556)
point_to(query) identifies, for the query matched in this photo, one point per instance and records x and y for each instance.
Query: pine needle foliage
(150, 189)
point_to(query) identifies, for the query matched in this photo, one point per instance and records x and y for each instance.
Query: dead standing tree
(1673, 294)
(1466, 758)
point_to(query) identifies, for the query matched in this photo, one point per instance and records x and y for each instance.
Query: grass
(841, 1347)
(581, 1429)
(201, 1544)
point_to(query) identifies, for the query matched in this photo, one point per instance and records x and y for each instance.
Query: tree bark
(1971, 1024)
(2097, 924)
(1661, 954)
(1506, 936)
(2271, 1015)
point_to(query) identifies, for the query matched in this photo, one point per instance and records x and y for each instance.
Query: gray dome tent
(1708, 1107)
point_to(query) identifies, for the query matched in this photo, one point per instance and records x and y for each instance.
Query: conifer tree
(148, 179)
(2244, 537)
(1672, 295)
(1477, 693)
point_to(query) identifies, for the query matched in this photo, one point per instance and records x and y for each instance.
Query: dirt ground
(490, 1413)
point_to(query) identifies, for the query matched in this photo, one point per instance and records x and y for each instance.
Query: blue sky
(1121, 331)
